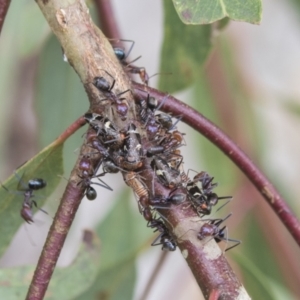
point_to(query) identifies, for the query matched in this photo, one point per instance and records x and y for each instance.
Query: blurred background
(248, 84)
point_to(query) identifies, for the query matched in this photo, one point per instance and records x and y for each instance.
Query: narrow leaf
(46, 165)
(66, 283)
(185, 49)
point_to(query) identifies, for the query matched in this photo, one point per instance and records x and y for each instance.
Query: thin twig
(154, 274)
(229, 148)
(60, 227)
(107, 19)
(4, 5)
(71, 129)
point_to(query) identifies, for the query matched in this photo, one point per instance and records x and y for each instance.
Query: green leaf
(209, 11)
(61, 99)
(259, 264)
(114, 283)
(47, 165)
(123, 234)
(185, 49)
(125, 230)
(77, 277)
(264, 287)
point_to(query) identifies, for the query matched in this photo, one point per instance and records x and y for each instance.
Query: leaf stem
(108, 22)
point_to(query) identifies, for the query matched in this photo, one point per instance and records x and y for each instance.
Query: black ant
(28, 202)
(165, 238)
(87, 173)
(176, 197)
(103, 85)
(203, 199)
(168, 144)
(169, 176)
(106, 130)
(212, 229)
(121, 55)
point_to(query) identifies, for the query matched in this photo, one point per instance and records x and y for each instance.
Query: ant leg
(176, 122)
(21, 182)
(11, 192)
(104, 185)
(35, 204)
(227, 197)
(237, 242)
(156, 239)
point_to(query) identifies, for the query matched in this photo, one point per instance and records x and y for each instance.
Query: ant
(165, 238)
(212, 229)
(169, 143)
(103, 85)
(203, 199)
(87, 173)
(28, 202)
(121, 55)
(176, 197)
(169, 176)
(106, 130)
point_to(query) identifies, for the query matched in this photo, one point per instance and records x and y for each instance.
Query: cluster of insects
(153, 140)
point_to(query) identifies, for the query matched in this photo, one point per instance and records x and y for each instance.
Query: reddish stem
(229, 148)
(107, 19)
(55, 240)
(4, 5)
(71, 129)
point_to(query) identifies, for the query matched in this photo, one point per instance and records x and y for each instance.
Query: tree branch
(229, 148)
(91, 55)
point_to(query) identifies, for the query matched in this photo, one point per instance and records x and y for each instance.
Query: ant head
(120, 53)
(101, 84)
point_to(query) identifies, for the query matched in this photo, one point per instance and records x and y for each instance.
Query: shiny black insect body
(176, 197)
(122, 56)
(103, 85)
(27, 191)
(165, 238)
(212, 229)
(203, 199)
(87, 173)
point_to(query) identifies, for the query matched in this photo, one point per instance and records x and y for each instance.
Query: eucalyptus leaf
(185, 49)
(208, 11)
(47, 165)
(264, 287)
(66, 283)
